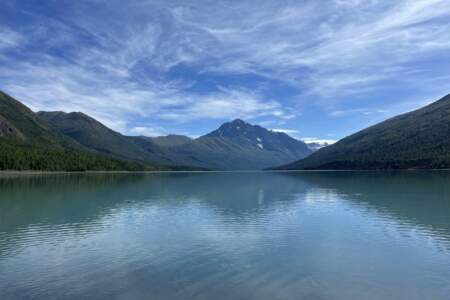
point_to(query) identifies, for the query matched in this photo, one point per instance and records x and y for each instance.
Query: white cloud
(311, 140)
(53, 85)
(338, 46)
(362, 111)
(9, 38)
(147, 131)
(285, 130)
(225, 104)
(324, 49)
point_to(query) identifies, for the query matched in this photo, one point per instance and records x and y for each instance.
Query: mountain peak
(232, 129)
(241, 139)
(239, 122)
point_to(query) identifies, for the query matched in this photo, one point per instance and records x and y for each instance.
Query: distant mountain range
(234, 146)
(415, 140)
(95, 136)
(59, 141)
(75, 141)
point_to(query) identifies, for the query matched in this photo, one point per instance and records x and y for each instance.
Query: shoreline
(31, 172)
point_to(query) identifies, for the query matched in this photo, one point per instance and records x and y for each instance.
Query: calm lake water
(310, 235)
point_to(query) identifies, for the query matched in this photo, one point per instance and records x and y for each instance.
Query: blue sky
(315, 69)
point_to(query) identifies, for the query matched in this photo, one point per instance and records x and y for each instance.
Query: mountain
(235, 145)
(238, 145)
(20, 124)
(94, 135)
(416, 140)
(28, 143)
(171, 140)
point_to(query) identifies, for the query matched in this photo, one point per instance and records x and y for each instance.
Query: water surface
(306, 235)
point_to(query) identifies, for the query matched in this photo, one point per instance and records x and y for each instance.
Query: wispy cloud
(174, 61)
(314, 140)
(226, 103)
(328, 47)
(363, 111)
(54, 85)
(147, 131)
(9, 38)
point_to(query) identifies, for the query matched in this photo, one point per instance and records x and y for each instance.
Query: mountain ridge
(419, 139)
(234, 145)
(28, 143)
(94, 135)
(240, 145)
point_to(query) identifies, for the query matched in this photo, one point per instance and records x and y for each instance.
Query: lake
(255, 235)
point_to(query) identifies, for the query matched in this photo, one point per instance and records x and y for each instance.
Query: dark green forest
(26, 157)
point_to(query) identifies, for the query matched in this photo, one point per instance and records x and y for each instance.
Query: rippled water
(313, 235)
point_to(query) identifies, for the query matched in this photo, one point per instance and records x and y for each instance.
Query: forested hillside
(28, 143)
(415, 140)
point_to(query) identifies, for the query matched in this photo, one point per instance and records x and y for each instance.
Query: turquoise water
(311, 235)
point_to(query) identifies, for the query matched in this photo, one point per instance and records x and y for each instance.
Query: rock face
(8, 131)
(416, 140)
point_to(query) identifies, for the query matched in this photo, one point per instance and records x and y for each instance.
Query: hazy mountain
(240, 145)
(419, 139)
(28, 143)
(171, 140)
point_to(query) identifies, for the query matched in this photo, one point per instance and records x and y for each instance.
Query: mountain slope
(235, 145)
(20, 124)
(28, 143)
(94, 135)
(419, 139)
(238, 145)
(171, 140)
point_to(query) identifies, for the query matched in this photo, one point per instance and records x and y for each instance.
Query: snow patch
(260, 146)
(259, 140)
